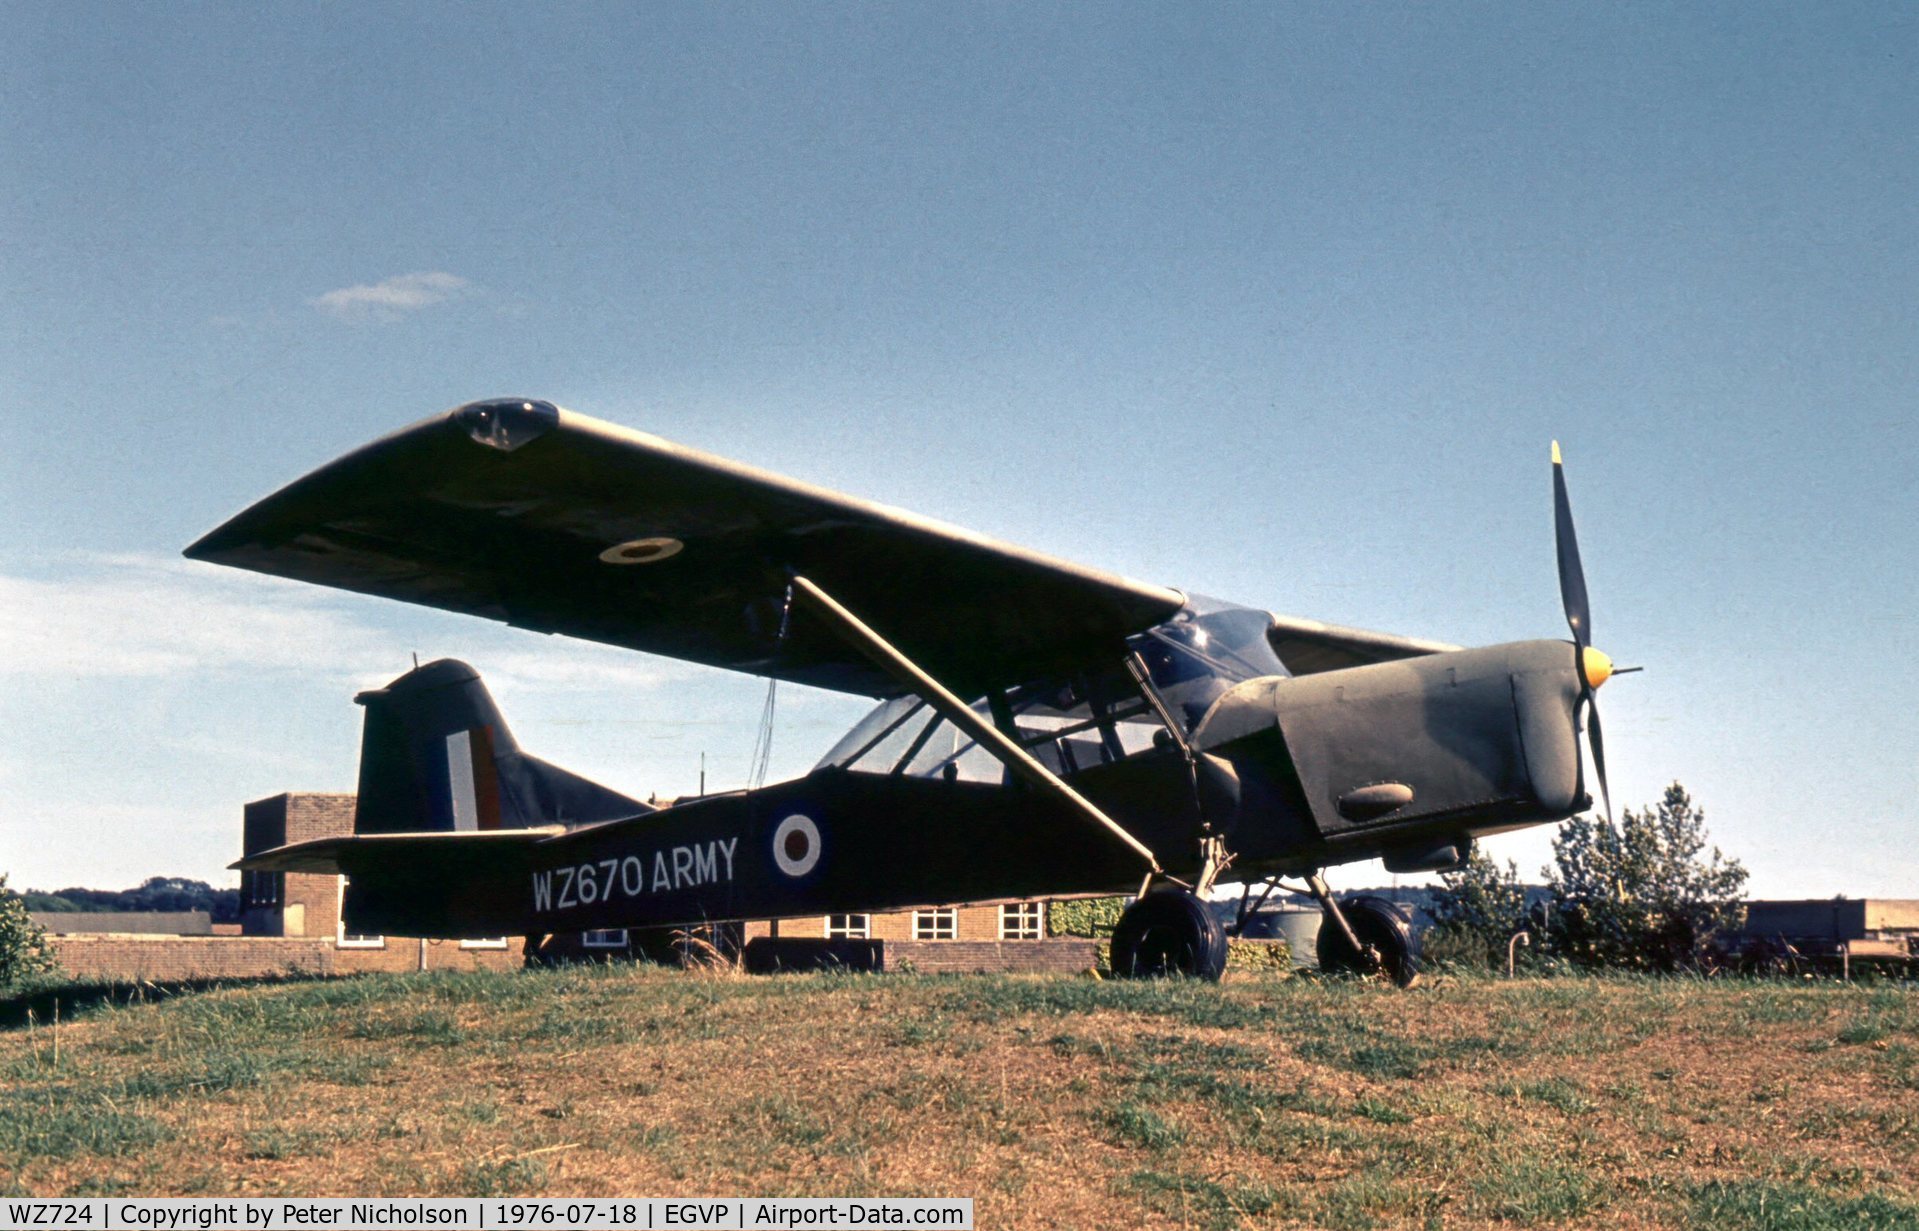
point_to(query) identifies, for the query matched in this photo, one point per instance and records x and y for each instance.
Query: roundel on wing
(796, 845)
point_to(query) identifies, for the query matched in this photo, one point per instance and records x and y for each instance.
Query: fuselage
(1405, 760)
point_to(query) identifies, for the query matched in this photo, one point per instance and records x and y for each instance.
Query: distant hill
(168, 894)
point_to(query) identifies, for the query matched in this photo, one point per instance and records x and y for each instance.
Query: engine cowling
(1478, 739)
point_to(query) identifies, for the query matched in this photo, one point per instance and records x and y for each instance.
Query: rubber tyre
(1381, 924)
(1169, 932)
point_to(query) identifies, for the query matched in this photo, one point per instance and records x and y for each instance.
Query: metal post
(1519, 938)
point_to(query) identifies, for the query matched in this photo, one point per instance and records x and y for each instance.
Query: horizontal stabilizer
(358, 853)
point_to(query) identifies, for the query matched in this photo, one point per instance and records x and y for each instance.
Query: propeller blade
(1599, 752)
(1572, 578)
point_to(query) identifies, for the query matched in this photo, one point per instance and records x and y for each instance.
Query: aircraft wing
(349, 854)
(553, 521)
(1308, 646)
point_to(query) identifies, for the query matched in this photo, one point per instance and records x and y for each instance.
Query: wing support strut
(1015, 758)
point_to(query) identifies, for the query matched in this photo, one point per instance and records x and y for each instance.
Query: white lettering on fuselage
(675, 868)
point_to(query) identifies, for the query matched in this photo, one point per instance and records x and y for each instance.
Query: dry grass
(1053, 1103)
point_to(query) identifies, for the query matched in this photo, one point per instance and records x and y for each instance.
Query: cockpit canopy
(1090, 717)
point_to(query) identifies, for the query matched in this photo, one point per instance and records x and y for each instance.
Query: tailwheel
(1388, 944)
(1169, 932)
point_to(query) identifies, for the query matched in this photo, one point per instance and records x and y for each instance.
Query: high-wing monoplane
(1041, 728)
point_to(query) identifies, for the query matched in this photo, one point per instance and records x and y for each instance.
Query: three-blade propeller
(1592, 666)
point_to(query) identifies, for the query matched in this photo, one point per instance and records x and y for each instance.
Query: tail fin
(436, 755)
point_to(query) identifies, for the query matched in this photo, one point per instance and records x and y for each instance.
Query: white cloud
(150, 695)
(152, 617)
(133, 617)
(387, 300)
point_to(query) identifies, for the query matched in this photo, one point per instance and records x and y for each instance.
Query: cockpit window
(1066, 725)
(881, 721)
(1077, 722)
(1205, 649)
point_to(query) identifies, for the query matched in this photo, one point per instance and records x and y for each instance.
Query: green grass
(1201, 1201)
(1753, 1205)
(1263, 1102)
(1137, 1124)
(59, 1122)
(1555, 1092)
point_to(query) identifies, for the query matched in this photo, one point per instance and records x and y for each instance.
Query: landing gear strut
(1365, 935)
(1169, 931)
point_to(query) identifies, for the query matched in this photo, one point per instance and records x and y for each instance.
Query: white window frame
(856, 927)
(1022, 921)
(938, 923)
(341, 938)
(498, 942)
(602, 938)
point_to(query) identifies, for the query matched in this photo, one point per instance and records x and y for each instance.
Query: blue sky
(1278, 303)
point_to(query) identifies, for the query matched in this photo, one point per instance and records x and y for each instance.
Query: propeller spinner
(1593, 666)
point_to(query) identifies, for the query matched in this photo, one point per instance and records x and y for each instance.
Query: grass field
(1066, 1103)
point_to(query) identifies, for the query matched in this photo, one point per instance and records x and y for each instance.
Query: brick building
(289, 922)
(307, 904)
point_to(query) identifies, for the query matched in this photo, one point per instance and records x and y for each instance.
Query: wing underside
(561, 523)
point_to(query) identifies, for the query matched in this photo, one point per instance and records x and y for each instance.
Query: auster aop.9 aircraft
(1043, 729)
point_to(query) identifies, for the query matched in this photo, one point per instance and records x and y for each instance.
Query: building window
(604, 938)
(941, 923)
(1022, 921)
(262, 889)
(496, 943)
(355, 940)
(343, 939)
(849, 927)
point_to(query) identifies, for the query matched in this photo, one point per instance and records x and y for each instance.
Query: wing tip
(206, 548)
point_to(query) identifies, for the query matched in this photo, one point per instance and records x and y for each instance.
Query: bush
(1475, 911)
(1449, 946)
(1641, 894)
(23, 943)
(1093, 918)
(1259, 957)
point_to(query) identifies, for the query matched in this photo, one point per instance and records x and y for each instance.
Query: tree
(156, 893)
(23, 943)
(1641, 894)
(1476, 910)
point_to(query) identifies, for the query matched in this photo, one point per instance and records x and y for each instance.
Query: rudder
(436, 755)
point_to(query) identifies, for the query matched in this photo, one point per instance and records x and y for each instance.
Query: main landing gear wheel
(1169, 932)
(1392, 948)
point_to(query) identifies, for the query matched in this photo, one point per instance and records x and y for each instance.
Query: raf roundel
(796, 845)
(642, 551)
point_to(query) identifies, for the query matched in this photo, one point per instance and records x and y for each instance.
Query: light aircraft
(1042, 728)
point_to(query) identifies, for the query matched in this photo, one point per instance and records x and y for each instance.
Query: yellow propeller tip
(1555, 453)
